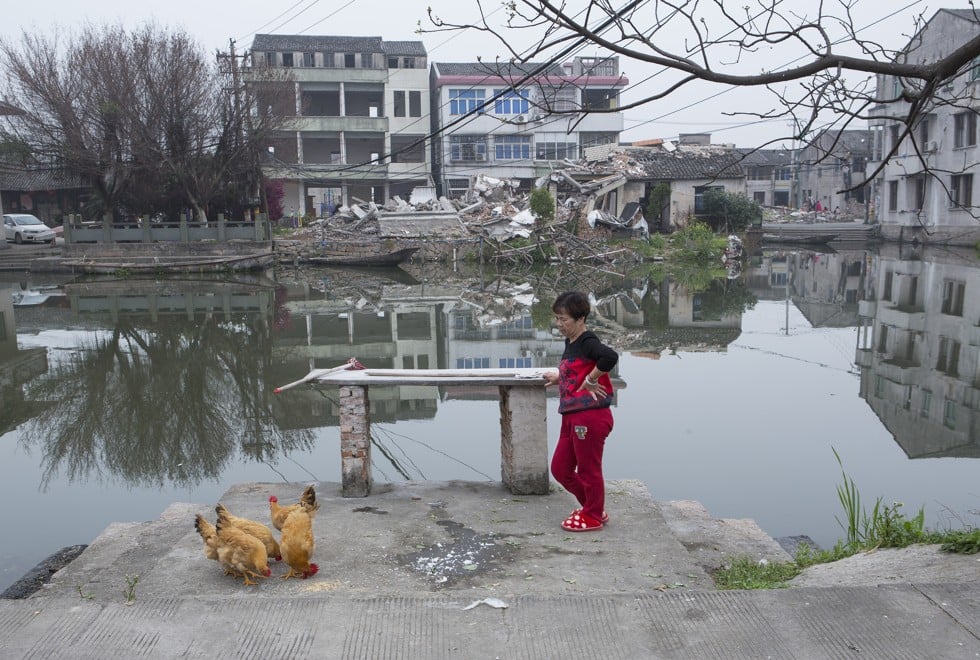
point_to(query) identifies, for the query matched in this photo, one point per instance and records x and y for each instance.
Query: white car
(26, 228)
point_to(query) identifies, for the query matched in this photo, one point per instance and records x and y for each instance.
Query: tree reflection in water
(171, 402)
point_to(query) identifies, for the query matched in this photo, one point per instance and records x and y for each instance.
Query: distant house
(499, 119)
(829, 166)
(927, 189)
(769, 176)
(356, 120)
(48, 194)
(690, 171)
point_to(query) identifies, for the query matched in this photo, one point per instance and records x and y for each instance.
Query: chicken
(240, 553)
(297, 541)
(210, 536)
(256, 529)
(279, 513)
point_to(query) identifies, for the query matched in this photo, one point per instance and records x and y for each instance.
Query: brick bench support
(523, 423)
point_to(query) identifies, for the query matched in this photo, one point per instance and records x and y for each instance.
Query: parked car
(26, 228)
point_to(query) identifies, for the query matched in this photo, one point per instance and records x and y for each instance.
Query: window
(925, 404)
(470, 148)
(328, 60)
(512, 147)
(510, 102)
(516, 363)
(270, 58)
(879, 386)
(949, 413)
(893, 195)
(392, 62)
(924, 134)
(759, 197)
(964, 129)
(415, 104)
(949, 356)
(348, 60)
(975, 69)
(308, 60)
(895, 133)
(897, 87)
(953, 297)
(367, 61)
(465, 101)
(883, 339)
(408, 63)
(473, 363)
(287, 59)
(699, 192)
(961, 190)
(561, 99)
(887, 293)
(399, 103)
(554, 146)
(919, 190)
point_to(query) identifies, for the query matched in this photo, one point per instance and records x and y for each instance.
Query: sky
(700, 108)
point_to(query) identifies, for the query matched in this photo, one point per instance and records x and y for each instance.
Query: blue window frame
(465, 101)
(510, 101)
(512, 147)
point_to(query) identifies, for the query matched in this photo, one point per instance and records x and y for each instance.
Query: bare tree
(146, 118)
(819, 71)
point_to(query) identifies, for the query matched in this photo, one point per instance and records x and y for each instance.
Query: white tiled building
(496, 119)
(357, 120)
(938, 204)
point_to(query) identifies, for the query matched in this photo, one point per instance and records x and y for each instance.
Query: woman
(585, 394)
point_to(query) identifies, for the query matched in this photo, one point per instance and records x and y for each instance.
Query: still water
(118, 398)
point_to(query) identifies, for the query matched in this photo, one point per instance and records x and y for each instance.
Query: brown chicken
(279, 513)
(297, 541)
(256, 529)
(240, 553)
(210, 536)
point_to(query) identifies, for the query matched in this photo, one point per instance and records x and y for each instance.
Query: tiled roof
(310, 43)
(13, 178)
(411, 48)
(689, 163)
(765, 157)
(498, 69)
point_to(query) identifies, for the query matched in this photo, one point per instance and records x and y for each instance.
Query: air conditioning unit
(536, 117)
(520, 119)
(479, 157)
(932, 146)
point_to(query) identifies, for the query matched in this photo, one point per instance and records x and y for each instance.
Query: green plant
(542, 205)
(966, 542)
(744, 572)
(82, 594)
(697, 243)
(658, 243)
(130, 591)
(730, 211)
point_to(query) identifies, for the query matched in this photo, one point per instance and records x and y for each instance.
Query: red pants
(577, 462)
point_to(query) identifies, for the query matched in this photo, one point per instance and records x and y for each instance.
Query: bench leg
(524, 440)
(355, 441)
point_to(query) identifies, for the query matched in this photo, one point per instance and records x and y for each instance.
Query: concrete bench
(523, 421)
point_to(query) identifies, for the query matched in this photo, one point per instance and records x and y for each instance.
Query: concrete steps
(417, 539)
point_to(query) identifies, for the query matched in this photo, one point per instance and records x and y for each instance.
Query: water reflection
(167, 383)
(919, 350)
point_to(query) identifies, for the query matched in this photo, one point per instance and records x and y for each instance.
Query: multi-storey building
(832, 171)
(515, 121)
(919, 353)
(768, 176)
(927, 190)
(356, 121)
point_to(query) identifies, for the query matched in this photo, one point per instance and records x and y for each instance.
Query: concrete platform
(467, 570)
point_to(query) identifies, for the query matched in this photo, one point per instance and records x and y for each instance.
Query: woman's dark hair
(573, 303)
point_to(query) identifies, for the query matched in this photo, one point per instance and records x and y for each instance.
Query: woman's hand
(550, 377)
(593, 388)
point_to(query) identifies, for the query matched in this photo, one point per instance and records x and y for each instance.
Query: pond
(119, 397)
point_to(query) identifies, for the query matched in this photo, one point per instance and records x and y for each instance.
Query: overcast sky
(694, 109)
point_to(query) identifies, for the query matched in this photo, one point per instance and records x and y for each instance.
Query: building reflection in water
(919, 351)
(18, 366)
